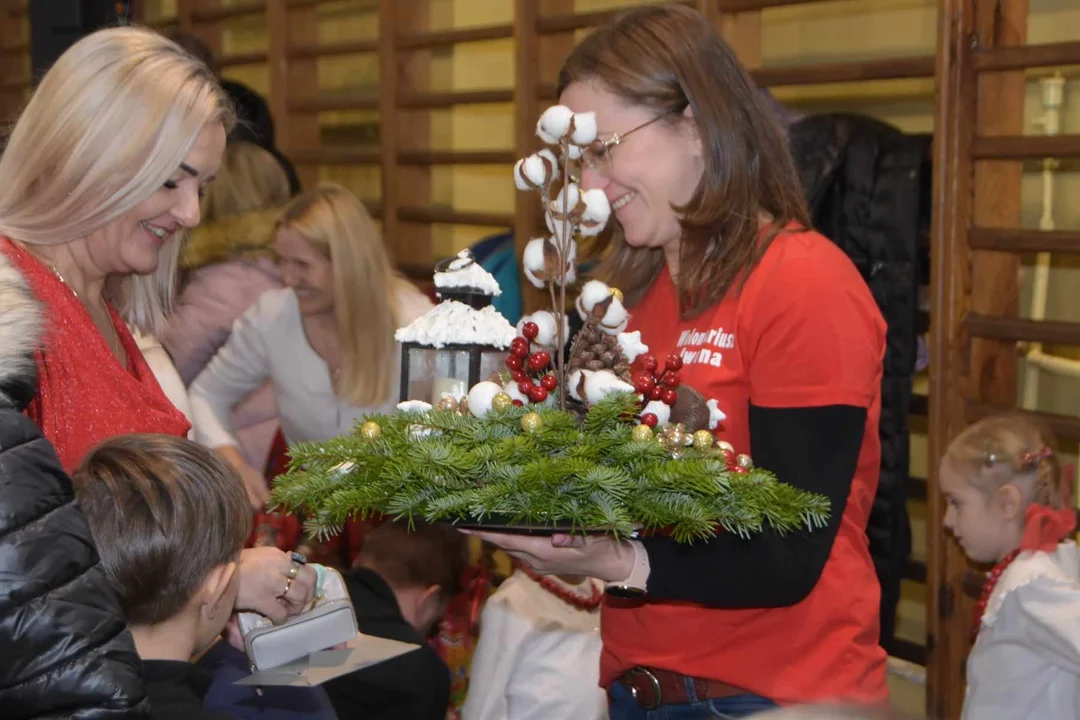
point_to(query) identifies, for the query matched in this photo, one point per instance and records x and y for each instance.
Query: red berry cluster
(530, 370)
(656, 384)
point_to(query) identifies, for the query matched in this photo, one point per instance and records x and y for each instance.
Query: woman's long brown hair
(667, 58)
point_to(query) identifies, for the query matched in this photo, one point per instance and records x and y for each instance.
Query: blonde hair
(249, 179)
(338, 225)
(109, 123)
(1009, 449)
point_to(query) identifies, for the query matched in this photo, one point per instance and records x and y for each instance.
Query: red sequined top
(84, 395)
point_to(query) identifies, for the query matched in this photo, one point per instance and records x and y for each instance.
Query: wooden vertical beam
(963, 370)
(298, 79)
(526, 112)
(402, 72)
(185, 10)
(277, 61)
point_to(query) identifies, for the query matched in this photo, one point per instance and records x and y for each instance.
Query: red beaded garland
(567, 596)
(988, 588)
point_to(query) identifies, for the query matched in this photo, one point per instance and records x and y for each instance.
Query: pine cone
(596, 350)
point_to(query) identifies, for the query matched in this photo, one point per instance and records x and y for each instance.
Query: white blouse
(268, 343)
(1026, 661)
(538, 658)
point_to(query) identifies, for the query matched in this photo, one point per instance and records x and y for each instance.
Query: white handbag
(328, 622)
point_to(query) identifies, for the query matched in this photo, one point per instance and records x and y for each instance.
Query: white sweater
(1026, 661)
(268, 343)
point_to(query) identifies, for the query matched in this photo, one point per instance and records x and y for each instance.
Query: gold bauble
(616, 293)
(447, 403)
(463, 406)
(641, 433)
(370, 430)
(744, 461)
(531, 422)
(703, 439)
(724, 445)
(501, 402)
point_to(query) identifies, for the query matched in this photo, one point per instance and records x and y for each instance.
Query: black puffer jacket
(64, 647)
(862, 182)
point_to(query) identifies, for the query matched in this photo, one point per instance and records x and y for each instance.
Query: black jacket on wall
(862, 181)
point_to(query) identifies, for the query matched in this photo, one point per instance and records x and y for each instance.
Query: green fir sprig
(586, 473)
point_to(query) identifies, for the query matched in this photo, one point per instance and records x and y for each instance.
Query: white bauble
(480, 396)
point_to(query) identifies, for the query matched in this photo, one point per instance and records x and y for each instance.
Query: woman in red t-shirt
(713, 251)
(102, 175)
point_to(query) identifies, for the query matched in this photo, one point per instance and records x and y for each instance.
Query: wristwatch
(634, 586)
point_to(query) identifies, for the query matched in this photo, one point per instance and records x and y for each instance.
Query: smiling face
(653, 168)
(984, 523)
(307, 271)
(132, 242)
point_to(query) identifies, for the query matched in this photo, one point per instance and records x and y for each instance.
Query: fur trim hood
(234, 237)
(20, 328)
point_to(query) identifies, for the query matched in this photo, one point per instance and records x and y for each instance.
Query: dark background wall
(57, 24)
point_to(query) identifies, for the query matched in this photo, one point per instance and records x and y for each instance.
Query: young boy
(400, 589)
(169, 519)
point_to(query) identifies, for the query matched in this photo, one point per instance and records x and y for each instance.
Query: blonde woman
(102, 177)
(325, 341)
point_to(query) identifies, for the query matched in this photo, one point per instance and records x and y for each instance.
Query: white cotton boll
(567, 199)
(602, 383)
(631, 345)
(592, 292)
(574, 383)
(533, 257)
(561, 231)
(519, 180)
(554, 123)
(615, 319)
(414, 407)
(550, 157)
(535, 171)
(480, 396)
(545, 325)
(584, 128)
(597, 207)
(660, 410)
(536, 282)
(571, 263)
(574, 152)
(511, 389)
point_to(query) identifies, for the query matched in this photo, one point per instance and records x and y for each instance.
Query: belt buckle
(654, 682)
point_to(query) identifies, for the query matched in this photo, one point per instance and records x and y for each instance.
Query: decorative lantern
(460, 341)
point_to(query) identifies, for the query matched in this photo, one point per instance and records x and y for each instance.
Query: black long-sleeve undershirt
(811, 448)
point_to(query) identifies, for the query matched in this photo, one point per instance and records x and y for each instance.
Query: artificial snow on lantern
(459, 342)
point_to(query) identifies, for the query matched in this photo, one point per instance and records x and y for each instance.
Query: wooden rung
(347, 47)
(1020, 147)
(1015, 329)
(737, 6)
(453, 37)
(209, 15)
(1027, 56)
(337, 156)
(920, 405)
(20, 49)
(1063, 427)
(842, 72)
(416, 270)
(553, 24)
(916, 489)
(250, 58)
(352, 101)
(374, 208)
(453, 217)
(1021, 240)
(449, 99)
(906, 650)
(460, 157)
(915, 570)
(163, 24)
(13, 87)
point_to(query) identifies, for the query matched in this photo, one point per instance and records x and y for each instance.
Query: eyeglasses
(597, 154)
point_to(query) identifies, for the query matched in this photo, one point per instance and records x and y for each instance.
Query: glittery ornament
(501, 402)
(703, 439)
(531, 422)
(447, 403)
(370, 430)
(724, 445)
(744, 461)
(641, 433)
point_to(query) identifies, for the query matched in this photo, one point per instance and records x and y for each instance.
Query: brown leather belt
(652, 687)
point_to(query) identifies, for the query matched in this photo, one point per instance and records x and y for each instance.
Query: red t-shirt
(803, 332)
(85, 396)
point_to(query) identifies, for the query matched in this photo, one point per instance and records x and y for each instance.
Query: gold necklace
(115, 346)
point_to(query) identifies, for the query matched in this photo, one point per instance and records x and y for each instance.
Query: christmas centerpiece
(503, 427)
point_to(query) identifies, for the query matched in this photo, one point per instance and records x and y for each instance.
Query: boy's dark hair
(163, 511)
(423, 556)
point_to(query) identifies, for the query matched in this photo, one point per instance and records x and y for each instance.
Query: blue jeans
(624, 707)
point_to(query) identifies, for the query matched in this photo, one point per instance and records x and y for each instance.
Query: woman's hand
(265, 587)
(254, 481)
(600, 557)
